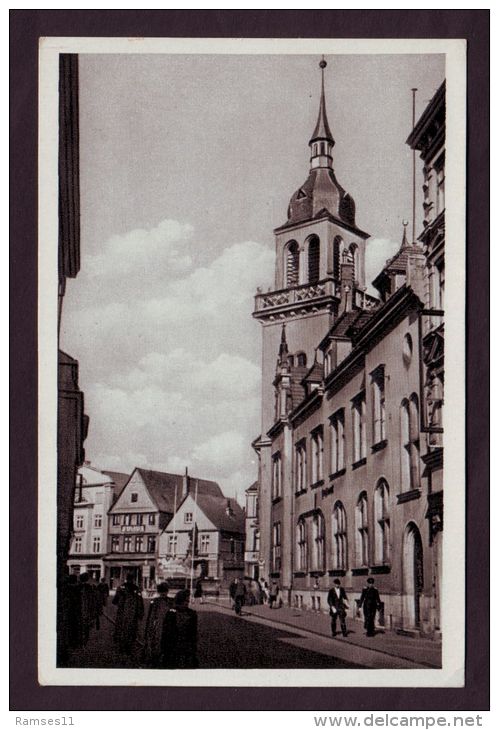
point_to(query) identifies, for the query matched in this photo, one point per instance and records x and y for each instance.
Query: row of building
(350, 480)
(155, 526)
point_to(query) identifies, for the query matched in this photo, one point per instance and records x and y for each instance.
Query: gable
(143, 503)
(178, 523)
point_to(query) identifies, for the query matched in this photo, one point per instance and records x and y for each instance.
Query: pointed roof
(161, 487)
(283, 347)
(322, 130)
(215, 509)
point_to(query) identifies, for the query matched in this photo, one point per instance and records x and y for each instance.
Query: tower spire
(283, 347)
(322, 141)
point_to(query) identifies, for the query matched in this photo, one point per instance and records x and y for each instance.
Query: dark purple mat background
(26, 27)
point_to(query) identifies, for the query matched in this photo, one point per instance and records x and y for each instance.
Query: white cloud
(378, 250)
(169, 358)
(143, 252)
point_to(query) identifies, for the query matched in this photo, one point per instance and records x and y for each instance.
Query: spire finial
(283, 347)
(404, 237)
(322, 141)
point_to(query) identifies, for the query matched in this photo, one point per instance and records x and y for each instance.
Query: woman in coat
(154, 626)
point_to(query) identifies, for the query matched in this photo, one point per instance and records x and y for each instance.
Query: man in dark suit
(370, 602)
(338, 606)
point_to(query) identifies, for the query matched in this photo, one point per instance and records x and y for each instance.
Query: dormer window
(301, 359)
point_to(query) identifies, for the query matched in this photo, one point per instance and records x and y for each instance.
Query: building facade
(142, 510)
(350, 458)
(95, 493)
(205, 539)
(252, 533)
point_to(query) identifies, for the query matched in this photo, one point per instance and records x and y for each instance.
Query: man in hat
(370, 603)
(338, 606)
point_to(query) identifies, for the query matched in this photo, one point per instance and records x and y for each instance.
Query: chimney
(347, 274)
(185, 483)
(415, 272)
(228, 510)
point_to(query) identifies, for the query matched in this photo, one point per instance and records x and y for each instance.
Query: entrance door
(413, 576)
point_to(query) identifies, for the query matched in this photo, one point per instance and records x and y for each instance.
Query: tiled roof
(162, 487)
(253, 487)
(215, 509)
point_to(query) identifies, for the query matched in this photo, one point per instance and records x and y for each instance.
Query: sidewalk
(425, 652)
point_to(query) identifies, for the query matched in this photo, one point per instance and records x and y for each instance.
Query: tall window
(97, 520)
(139, 519)
(276, 475)
(77, 545)
(127, 544)
(301, 467)
(314, 260)
(302, 546)
(317, 456)
(338, 246)
(256, 541)
(79, 522)
(318, 540)
(151, 544)
(359, 427)
(115, 544)
(378, 400)
(409, 434)
(276, 546)
(382, 523)
(151, 519)
(172, 544)
(205, 543)
(127, 519)
(292, 264)
(116, 520)
(339, 537)
(139, 544)
(362, 531)
(96, 545)
(338, 441)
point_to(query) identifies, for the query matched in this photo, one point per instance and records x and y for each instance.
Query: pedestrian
(88, 609)
(274, 595)
(370, 603)
(198, 592)
(338, 606)
(154, 626)
(103, 592)
(130, 611)
(73, 607)
(179, 635)
(238, 594)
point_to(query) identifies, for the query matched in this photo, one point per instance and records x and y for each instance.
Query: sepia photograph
(243, 302)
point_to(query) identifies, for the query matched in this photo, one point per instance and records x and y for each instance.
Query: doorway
(413, 576)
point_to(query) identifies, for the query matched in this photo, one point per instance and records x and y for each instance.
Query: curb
(344, 640)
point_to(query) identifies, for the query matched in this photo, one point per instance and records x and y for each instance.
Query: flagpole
(174, 546)
(194, 536)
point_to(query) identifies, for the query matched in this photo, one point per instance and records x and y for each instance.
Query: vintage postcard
(252, 275)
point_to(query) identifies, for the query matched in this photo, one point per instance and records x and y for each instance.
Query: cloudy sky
(187, 165)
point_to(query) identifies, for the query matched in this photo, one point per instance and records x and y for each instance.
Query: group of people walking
(84, 602)
(170, 633)
(369, 602)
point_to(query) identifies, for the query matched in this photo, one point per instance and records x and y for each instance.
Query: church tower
(309, 247)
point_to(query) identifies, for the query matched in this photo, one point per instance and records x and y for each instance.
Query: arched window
(362, 531)
(382, 523)
(409, 434)
(314, 254)
(292, 261)
(338, 247)
(319, 541)
(301, 359)
(301, 546)
(339, 537)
